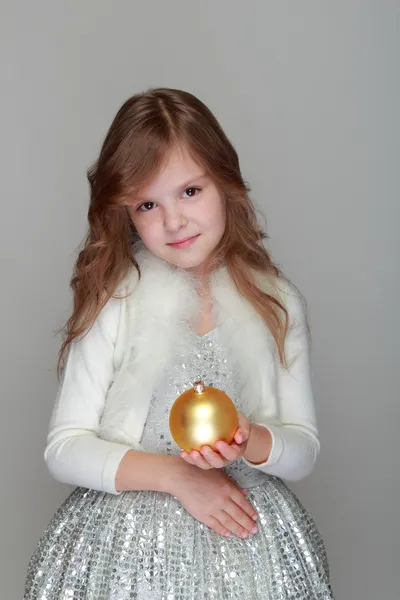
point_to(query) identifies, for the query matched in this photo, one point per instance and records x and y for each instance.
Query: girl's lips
(184, 243)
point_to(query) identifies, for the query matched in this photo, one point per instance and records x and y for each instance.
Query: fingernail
(255, 517)
(244, 535)
(254, 530)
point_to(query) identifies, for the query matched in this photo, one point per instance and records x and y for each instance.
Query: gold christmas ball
(202, 416)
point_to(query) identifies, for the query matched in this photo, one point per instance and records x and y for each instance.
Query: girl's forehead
(177, 169)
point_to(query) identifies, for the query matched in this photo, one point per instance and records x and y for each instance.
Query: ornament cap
(198, 386)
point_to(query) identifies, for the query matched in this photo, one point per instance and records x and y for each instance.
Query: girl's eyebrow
(191, 180)
(181, 187)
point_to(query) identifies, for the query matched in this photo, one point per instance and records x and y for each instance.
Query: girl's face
(180, 215)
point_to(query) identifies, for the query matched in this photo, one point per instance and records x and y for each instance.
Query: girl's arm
(293, 445)
(74, 453)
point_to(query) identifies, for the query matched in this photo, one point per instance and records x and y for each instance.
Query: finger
(213, 458)
(229, 451)
(231, 525)
(216, 526)
(243, 421)
(187, 458)
(241, 517)
(240, 436)
(199, 461)
(236, 446)
(229, 521)
(245, 505)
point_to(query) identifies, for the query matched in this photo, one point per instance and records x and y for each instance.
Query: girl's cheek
(145, 227)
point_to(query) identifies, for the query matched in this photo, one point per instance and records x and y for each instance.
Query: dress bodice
(206, 359)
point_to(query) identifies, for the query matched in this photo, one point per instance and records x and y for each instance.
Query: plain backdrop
(308, 92)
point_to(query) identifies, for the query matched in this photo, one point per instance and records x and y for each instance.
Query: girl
(172, 285)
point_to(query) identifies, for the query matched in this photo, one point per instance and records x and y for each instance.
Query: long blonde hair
(145, 128)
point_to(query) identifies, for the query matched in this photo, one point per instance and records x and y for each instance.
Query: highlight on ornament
(202, 416)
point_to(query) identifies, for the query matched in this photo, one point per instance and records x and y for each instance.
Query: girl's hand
(207, 458)
(214, 499)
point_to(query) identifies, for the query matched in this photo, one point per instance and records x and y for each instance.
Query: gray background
(309, 94)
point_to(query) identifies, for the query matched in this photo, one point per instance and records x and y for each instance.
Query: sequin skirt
(145, 546)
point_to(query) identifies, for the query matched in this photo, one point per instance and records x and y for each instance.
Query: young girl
(173, 285)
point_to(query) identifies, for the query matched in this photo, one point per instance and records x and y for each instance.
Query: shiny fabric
(145, 546)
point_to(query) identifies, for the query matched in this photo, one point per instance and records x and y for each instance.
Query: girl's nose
(174, 220)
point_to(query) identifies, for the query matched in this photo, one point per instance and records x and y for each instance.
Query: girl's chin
(193, 266)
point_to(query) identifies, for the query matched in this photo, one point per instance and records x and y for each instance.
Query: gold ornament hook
(199, 387)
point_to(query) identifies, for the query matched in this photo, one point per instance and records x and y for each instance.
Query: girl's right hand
(214, 499)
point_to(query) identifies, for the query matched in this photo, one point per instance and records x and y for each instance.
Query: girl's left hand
(207, 458)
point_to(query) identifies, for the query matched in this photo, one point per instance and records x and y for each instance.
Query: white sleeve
(295, 442)
(74, 453)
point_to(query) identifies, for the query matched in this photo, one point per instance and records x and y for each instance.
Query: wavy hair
(146, 127)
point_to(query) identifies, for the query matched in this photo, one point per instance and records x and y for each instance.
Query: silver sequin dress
(146, 546)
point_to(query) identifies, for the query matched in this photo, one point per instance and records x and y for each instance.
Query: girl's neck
(203, 287)
(205, 319)
(204, 322)
(202, 281)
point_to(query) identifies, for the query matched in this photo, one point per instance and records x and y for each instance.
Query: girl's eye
(146, 206)
(192, 191)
